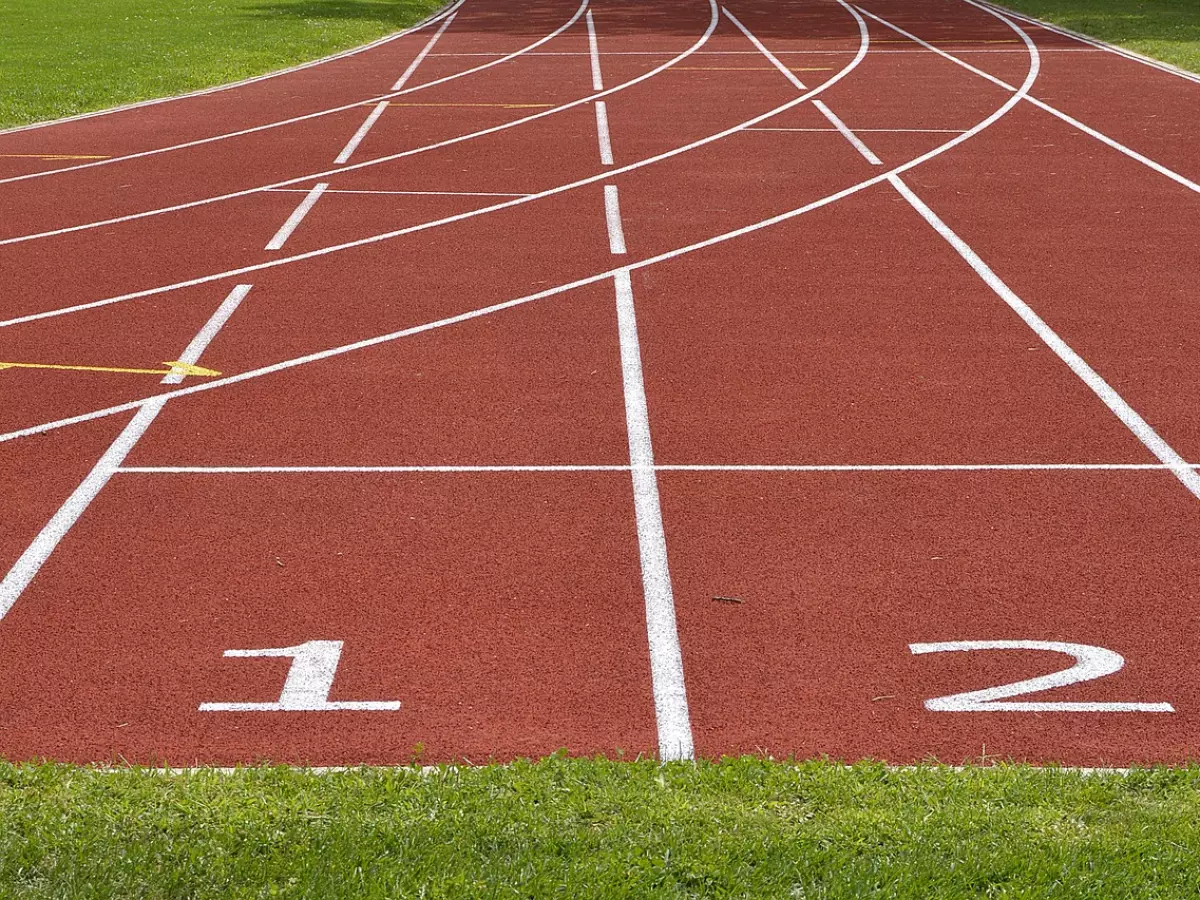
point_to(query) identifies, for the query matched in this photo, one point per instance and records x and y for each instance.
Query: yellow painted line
(176, 368)
(491, 105)
(48, 156)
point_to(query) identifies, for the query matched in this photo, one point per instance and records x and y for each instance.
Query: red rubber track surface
(858, 443)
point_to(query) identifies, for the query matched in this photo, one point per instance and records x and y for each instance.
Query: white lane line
(379, 340)
(296, 217)
(304, 118)
(353, 51)
(1095, 45)
(403, 193)
(1073, 122)
(871, 130)
(849, 135)
(25, 569)
(666, 657)
(412, 67)
(366, 126)
(594, 53)
(204, 336)
(1101, 388)
(606, 156)
(404, 154)
(659, 467)
(774, 60)
(612, 218)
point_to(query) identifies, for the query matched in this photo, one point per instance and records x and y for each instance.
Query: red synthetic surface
(506, 610)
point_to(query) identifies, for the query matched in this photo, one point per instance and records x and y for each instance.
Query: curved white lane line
(1030, 78)
(215, 89)
(435, 223)
(313, 115)
(341, 169)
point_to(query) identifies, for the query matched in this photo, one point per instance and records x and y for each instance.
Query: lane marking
(663, 467)
(412, 66)
(173, 366)
(749, 69)
(313, 115)
(353, 51)
(606, 156)
(1101, 388)
(666, 657)
(1046, 107)
(478, 105)
(771, 57)
(612, 218)
(404, 193)
(378, 160)
(25, 569)
(358, 136)
(843, 129)
(594, 52)
(49, 156)
(205, 335)
(297, 216)
(871, 130)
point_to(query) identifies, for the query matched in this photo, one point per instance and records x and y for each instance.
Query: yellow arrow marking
(177, 368)
(48, 156)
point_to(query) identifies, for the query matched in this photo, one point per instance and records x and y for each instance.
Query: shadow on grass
(397, 13)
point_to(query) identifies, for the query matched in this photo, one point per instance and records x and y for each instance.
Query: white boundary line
(594, 53)
(769, 222)
(843, 129)
(1074, 123)
(25, 569)
(357, 138)
(202, 92)
(659, 467)
(302, 118)
(297, 216)
(420, 57)
(1098, 44)
(612, 218)
(19, 239)
(602, 133)
(405, 193)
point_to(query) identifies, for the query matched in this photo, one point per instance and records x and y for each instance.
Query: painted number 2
(308, 683)
(1090, 663)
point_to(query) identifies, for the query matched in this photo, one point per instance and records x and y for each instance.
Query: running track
(788, 376)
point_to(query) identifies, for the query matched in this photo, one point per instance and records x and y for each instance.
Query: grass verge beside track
(593, 828)
(1165, 29)
(62, 57)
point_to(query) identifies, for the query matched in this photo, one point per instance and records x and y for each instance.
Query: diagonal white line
(412, 67)
(358, 136)
(594, 53)
(297, 216)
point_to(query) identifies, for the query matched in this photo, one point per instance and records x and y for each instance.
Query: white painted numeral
(1090, 663)
(308, 683)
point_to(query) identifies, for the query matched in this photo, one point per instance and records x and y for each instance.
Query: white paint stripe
(366, 126)
(871, 130)
(1096, 44)
(404, 193)
(666, 658)
(660, 467)
(849, 135)
(412, 67)
(787, 73)
(1003, 110)
(31, 561)
(594, 52)
(813, 52)
(307, 116)
(1123, 411)
(296, 217)
(202, 92)
(1075, 123)
(462, 138)
(204, 336)
(606, 156)
(612, 217)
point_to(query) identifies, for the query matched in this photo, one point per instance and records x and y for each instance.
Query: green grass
(583, 829)
(61, 57)
(1165, 29)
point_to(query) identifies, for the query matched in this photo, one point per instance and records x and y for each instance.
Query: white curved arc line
(254, 79)
(549, 292)
(342, 169)
(507, 204)
(307, 116)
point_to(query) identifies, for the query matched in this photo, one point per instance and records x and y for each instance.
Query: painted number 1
(1090, 663)
(308, 683)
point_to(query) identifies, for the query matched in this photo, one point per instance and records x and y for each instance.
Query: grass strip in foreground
(1164, 29)
(594, 828)
(62, 57)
